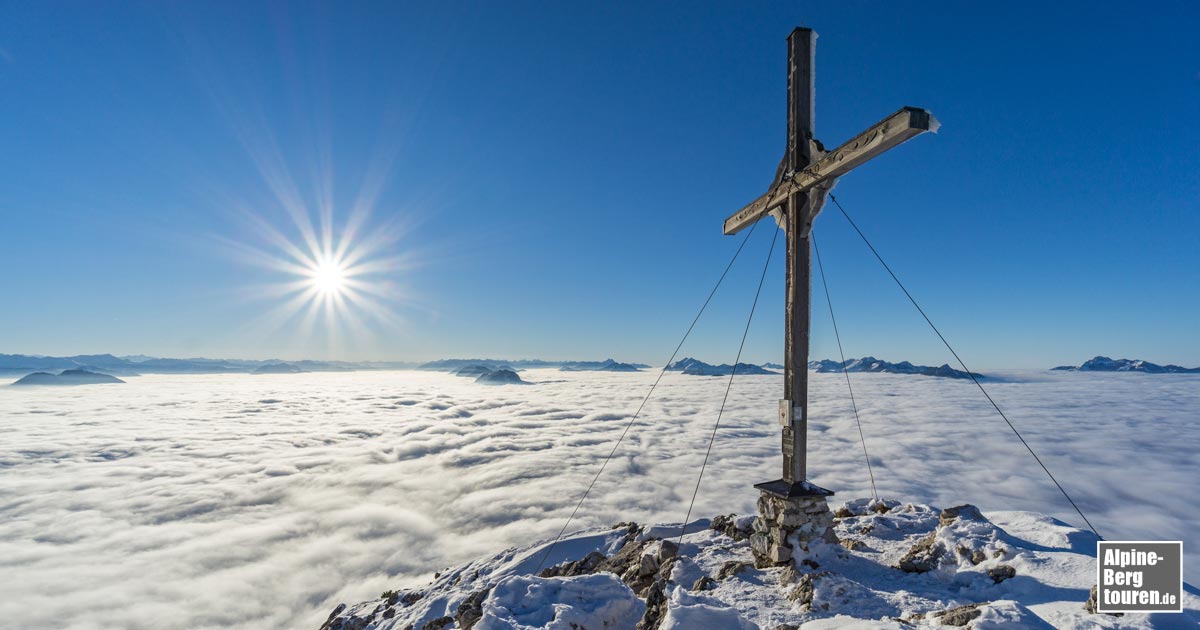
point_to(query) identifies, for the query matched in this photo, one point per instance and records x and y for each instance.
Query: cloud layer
(239, 501)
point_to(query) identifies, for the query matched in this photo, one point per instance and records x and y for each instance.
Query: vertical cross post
(791, 511)
(801, 46)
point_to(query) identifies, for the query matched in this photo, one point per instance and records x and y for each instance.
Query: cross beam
(803, 179)
(903, 125)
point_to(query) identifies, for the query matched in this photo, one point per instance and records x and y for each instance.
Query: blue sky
(552, 177)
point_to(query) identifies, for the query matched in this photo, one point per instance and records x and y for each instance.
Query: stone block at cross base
(786, 521)
(760, 543)
(795, 519)
(781, 554)
(815, 505)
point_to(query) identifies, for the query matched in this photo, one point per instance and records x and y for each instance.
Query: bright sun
(340, 277)
(329, 277)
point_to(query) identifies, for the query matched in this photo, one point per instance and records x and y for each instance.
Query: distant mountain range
(1105, 364)
(608, 365)
(135, 365)
(141, 364)
(871, 364)
(278, 368)
(696, 367)
(476, 369)
(865, 364)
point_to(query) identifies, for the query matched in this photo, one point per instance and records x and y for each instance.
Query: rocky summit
(888, 565)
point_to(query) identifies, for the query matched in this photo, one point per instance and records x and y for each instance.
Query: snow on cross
(791, 506)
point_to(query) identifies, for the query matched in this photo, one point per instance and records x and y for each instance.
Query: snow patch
(687, 612)
(587, 601)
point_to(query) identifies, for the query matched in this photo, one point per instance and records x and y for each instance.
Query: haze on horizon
(381, 182)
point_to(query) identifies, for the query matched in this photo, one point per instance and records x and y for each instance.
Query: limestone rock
(976, 556)
(667, 550)
(966, 511)
(730, 569)
(441, 623)
(727, 524)
(1001, 572)
(789, 576)
(923, 557)
(340, 607)
(704, 583)
(656, 608)
(806, 589)
(961, 615)
(1089, 605)
(853, 544)
(636, 567)
(648, 565)
(471, 610)
(803, 593)
(584, 566)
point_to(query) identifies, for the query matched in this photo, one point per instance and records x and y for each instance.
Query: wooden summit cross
(803, 179)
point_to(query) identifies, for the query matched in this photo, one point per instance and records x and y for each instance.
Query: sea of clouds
(239, 501)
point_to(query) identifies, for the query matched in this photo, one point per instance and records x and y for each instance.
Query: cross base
(790, 516)
(784, 489)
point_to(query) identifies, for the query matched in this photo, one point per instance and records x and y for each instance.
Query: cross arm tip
(923, 119)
